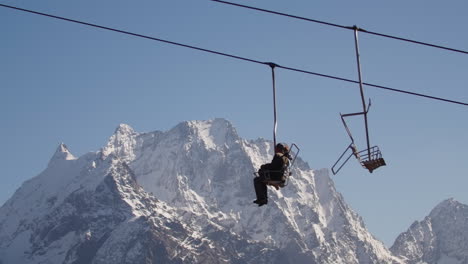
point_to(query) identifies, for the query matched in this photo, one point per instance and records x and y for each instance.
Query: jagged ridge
(194, 205)
(442, 236)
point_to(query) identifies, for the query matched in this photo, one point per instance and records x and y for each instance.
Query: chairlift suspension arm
(275, 124)
(361, 87)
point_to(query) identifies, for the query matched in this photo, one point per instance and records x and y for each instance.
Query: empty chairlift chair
(370, 158)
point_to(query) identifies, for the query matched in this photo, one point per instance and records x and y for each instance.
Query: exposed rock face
(181, 196)
(442, 237)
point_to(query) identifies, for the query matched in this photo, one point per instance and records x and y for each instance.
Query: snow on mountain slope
(206, 168)
(103, 216)
(184, 195)
(441, 238)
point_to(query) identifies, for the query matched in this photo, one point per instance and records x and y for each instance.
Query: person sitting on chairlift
(272, 173)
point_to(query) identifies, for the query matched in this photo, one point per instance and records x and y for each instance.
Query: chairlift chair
(370, 158)
(373, 160)
(286, 173)
(370, 163)
(293, 151)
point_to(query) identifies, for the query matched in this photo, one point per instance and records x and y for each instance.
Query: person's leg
(260, 191)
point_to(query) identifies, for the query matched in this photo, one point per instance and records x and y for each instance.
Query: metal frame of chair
(370, 158)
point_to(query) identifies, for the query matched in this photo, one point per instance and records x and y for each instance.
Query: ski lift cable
(133, 34)
(343, 27)
(375, 85)
(234, 56)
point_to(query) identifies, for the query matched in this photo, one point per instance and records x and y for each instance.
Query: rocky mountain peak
(441, 237)
(62, 153)
(181, 196)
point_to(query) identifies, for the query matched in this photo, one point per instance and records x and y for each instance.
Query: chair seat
(276, 184)
(371, 165)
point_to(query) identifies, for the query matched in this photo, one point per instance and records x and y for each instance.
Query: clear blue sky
(63, 82)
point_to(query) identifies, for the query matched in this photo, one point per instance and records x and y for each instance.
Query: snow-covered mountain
(180, 196)
(441, 238)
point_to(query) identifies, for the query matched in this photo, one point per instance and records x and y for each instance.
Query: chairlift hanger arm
(359, 113)
(356, 42)
(275, 122)
(352, 114)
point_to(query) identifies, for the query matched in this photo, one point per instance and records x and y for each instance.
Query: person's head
(282, 148)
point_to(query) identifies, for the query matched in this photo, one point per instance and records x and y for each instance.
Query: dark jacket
(277, 166)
